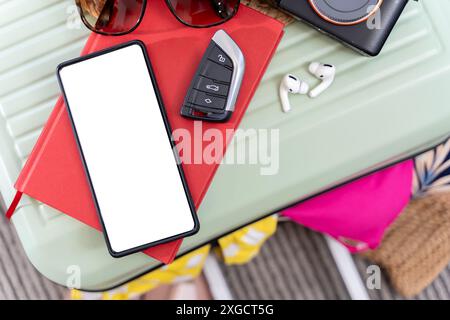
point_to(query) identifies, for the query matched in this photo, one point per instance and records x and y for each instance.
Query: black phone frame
(169, 135)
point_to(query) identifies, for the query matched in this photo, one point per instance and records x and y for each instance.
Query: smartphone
(124, 138)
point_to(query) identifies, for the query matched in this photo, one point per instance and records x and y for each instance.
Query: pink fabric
(357, 214)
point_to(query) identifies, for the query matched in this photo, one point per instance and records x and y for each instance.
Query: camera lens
(345, 12)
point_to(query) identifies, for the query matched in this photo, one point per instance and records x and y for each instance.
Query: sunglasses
(119, 17)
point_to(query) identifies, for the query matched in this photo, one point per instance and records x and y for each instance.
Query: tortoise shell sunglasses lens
(203, 13)
(111, 17)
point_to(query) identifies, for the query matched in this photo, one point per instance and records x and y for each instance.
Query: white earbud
(324, 72)
(291, 84)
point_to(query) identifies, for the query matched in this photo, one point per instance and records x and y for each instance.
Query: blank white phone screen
(127, 152)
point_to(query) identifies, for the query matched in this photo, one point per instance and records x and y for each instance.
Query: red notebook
(54, 173)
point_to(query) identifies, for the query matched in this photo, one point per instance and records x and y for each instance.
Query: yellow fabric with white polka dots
(244, 244)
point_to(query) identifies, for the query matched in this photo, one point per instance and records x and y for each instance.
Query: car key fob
(215, 87)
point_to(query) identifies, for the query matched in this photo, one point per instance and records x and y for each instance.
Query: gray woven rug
(297, 264)
(18, 278)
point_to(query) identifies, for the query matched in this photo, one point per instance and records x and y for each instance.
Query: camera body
(363, 25)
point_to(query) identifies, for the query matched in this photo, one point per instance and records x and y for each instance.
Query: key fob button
(216, 72)
(220, 57)
(204, 110)
(209, 86)
(203, 99)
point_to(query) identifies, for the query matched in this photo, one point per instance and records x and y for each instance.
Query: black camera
(363, 25)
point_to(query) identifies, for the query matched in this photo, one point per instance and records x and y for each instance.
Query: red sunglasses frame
(141, 16)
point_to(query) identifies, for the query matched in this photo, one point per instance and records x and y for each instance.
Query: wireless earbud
(324, 72)
(291, 84)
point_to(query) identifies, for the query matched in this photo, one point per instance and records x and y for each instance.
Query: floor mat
(293, 264)
(18, 278)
